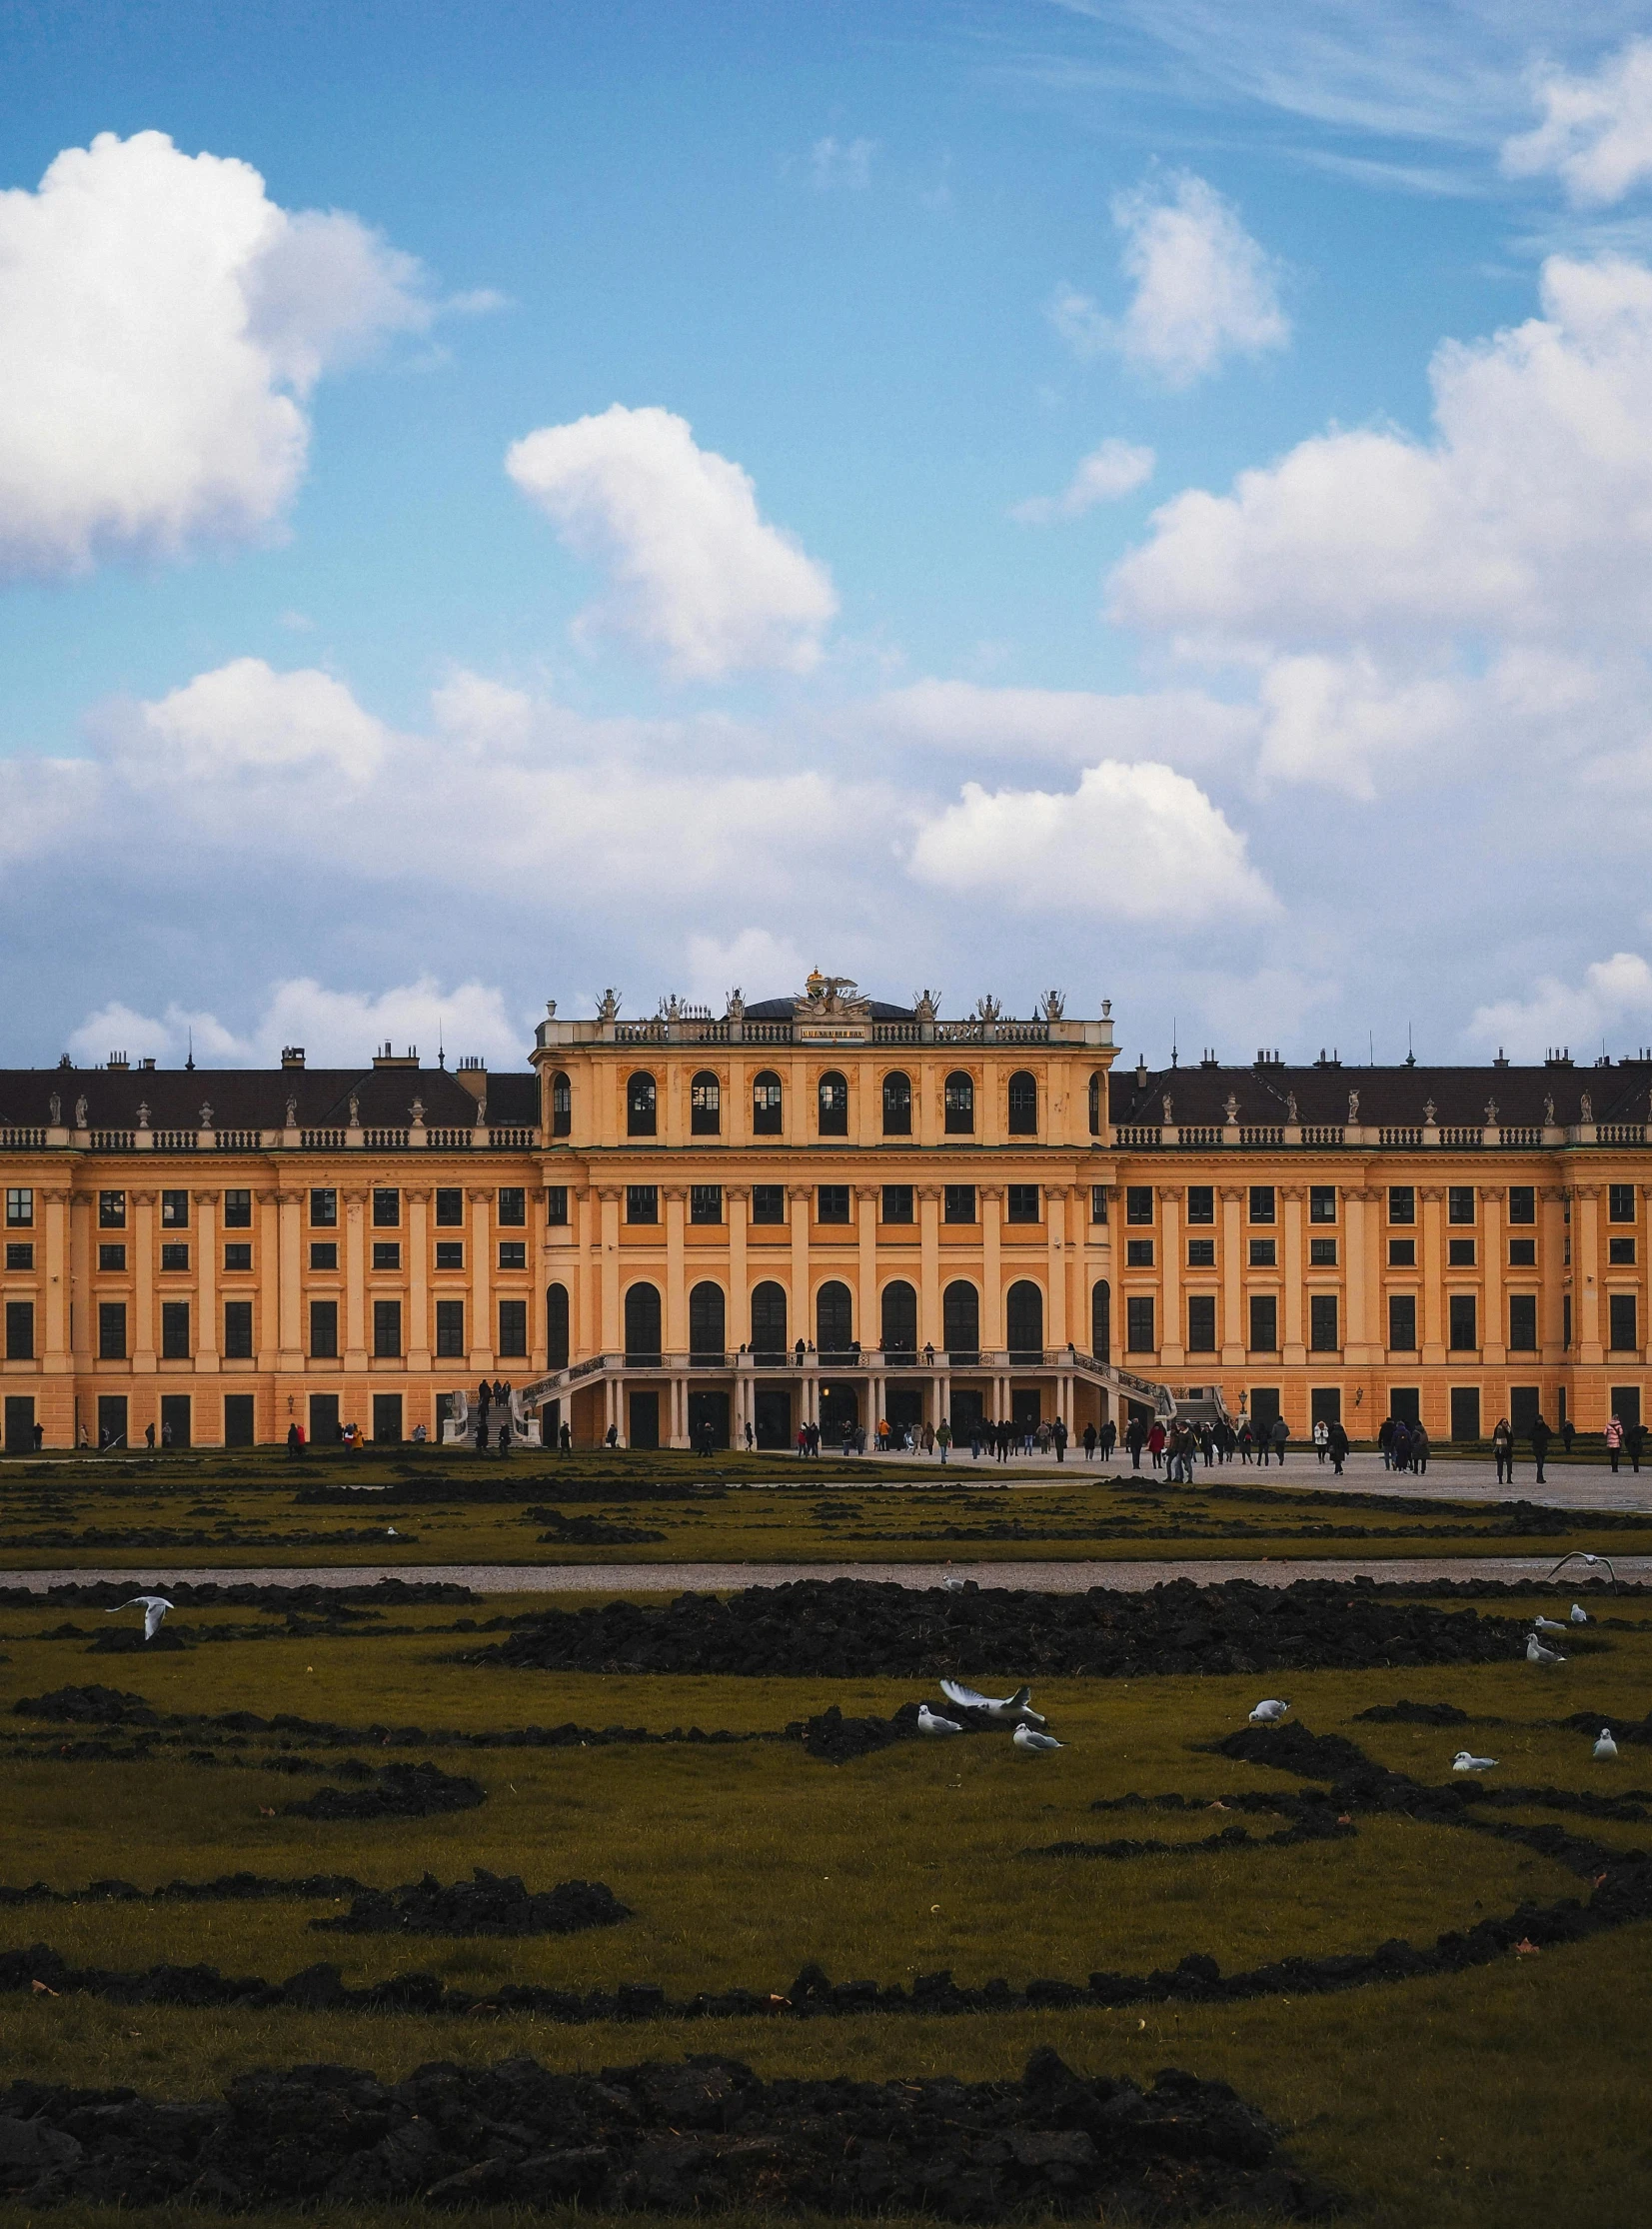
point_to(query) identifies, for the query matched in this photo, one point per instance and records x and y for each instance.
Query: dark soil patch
(155, 1537)
(92, 1705)
(1621, 1730)
(589, 1532)
(487, 1904)
(396, 1791)
(308, 1597)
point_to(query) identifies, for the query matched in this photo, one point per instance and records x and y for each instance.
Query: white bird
(1536, 1653)
(1270, 1712)
(1003, 1707)
(952, 1585)
(1550, 1625)
(931, 1721)
(1466, 1761)
(1580, 1616)
(391, 1533)
(1606, 1749)
(1035, 1743)
(155, 1607)
(1587, 1556)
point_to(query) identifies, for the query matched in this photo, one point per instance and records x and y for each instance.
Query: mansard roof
(1398, 1095)
(784, 1009)
(255, 1099)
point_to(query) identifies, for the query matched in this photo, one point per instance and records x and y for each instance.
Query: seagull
(155, 1607)
(952, 1585)
(1035, 1743)
(1549, 1625)
(1536, 1653)
(931, 1721)
(1606, 1749)
(1270, 1713)
(1466, 1761)
(1580, 1616)
(391, 1533)
(1003, 1707)
(1586, 1556)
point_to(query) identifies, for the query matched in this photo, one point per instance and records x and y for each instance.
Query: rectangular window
(324, 1209)
(1023, 1203)
(1402, 1203)
(19, 1331)
(1620, 1315)
(237, 1211)
(513, 1328)
(324, 1330)
(1402, 1323)
(450, 1327)
(831, 1204)
(111, 1211)
(1322, 1331)
(450, 1254)
(1263, 1252)
(1620, 1203)
(769, 1204)
(1463, 1318)
(1620, 1253)
(1264, 1323)
(1524, 1322)
(1098, 1203)
(556, 1205)
(238, 1330)
(1459, 1254)
(513, 1253)
(705, 1204)
(19, 1207)
(642, 1203)
(1202, 1203)
(324, 1253)
(1403, 1253)
(1566, 1320)
(1522, 1253)
(1459, 1203)
(111, 1331)
(1522, 1204)
(387, 1253)
(1138, 1203)
(513, 1206)
(898, 1204)
(175, 1258)
(1201, 1253)
(1321, 1204)
(175, 1330)
(111, 1257)
(957, 1204)
(387, 1206)
(450, 1208)
(1323, 1254)
(1138, 1254)
(1138, 1322)
(386, 1329)
(1201, 1324)
(20, 1255)
(174, 1211)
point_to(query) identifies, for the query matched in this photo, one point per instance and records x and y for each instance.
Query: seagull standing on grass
(1605, 1750)
(153, 1606)
(931, 1721)
(1466, 1761)
(1536, 1653)
(1035, 1745)
(1580, 1616)
(1270, 1712)
(1004, 1708)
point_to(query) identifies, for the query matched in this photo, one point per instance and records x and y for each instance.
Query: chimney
(472, 1074)
(292, 1056)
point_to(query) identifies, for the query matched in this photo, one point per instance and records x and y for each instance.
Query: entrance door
(1465, 1413)
(643, 1408)
(708, 1411)
(1264, 1408)
(969, 1411)
(111, 1420)
(1403, 1403)
(1525, 1402)
(324, 1420)
(174, 1419)
(387, 1416)
(904, 1405)
(771, 1416)
(839, 1410)
(238, 1420)
(550, 1424)
(19, 1424)
(1026, 1408)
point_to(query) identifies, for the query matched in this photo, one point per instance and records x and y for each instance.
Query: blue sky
(797, 629)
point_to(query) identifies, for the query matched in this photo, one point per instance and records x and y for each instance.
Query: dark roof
(784, 1009)
(1387, 1095)
(255, 1099)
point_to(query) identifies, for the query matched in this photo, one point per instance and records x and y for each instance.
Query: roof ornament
(832, 994)
(1429, 1112)
(142, 1114)
(1586, 1109)
(1169, 1117)
(1106, 1010)
(1230, 1108)
(608, 1005)
(1353, 1106)
(354, 1111)
(1548, 1111)
(987, 1009)
(206, 1113)
(1491, 1113)
(550, 1010)
(54, 1108)
(481, 1114)
(1292, 1114)
(1053, 1006)
(926, 1005)
(416, 1113)
(292, 1113)
(81, 1111)
(735, 1005)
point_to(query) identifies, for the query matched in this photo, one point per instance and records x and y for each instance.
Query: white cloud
(338, 1028)
(838, 163)
(697, 578)
(247, 720)
(1340, 721)
(755, 960)
(1137, 843)
(1107, 473)
(1596, 133)
(162, 322)
(1613, 993)
(1074, 727)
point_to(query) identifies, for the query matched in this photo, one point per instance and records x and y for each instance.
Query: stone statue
(1054, 1006)
(205, 1114)
(1290, 1107)
(1353, 1106)
(354, 1111)
(608, 1005)
(1586, 1109)
(481, 1114)
(831, 993)
(1230, 1108)
(1427, 1111)
(1491, 1113)
(734, 1009)
(1169, 1117)
(926, 1005)
(1548, 1111)
(54, 1108)
(292, 1113)
(81, 1111)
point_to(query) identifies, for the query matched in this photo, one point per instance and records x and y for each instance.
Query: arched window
(1024, 1104)
(898, 1105)
(769, 1319)
(706, 1322)
(1024, 1320)
(834, 1319)
(961, 1105)
(562, 1106)
(642, 1324)
(706, 1105)
(1095, 1103)
(766, 1102)
(834, 1104)
(1101, 1322)
(555, 1326)
(899, 1318)
(640, 1106)
(960, 1320)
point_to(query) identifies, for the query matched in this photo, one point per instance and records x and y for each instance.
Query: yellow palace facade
(818, 1208)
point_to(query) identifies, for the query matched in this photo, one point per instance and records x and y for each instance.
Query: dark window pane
(512, 1208)
(769, 1318)
(833, 1096)
(1101, 1322)
(1620, 1203)
(899, 1318)
(898, 1204)
(1138, 1254)
(513, 1253)
(324, 1253)
(324, 1330)
(20, 1206)
(324, 1209)
(960, 1318)
(1138, 1203)
(1321, 1204)
(111, 1331)
(450, 1327)
(1201, 1324)
(1025, 1317)
(1524, 1322)
(238, 1330)
(562, 1106)
(706, 1105)
(449, 1207)
(957, 1204)
(1321, 1254)
(1138, 1323)
(642, 1324)
(513, 1328)
(959, 1099)
(642, 1204)
(1522, 1204)
(1522, 1253)
(1463, 1318)
(705, 1320)
(1264, 1323)
(20, 1255)
(769, 1204)
(111, 1257)
(1201, 1253)
(1459, 1203)
(556, 1206)
(767, 1105)
(387, 1206)
(1261, 1203)
(834, 1319)
(1024, 1202)
(1620, 1252)
(1403, 1253)
(1622, 1313)
(387, 1253)
(1263, 1252)
(639, 1107)
(705, 1204)
(1402, 1323)
(19, 1331)
(1098, 1203)
(1202, 1203)
(237, 1211)
(1402, 1203)
(1024, 1104)
(175, 1258)
(897, 1106)
(1459, 1254)
(1322, 1335)
(387, 1328)
(831, 1204)
(174, 1211)
(1095, 1103)
(450, 1254)
(111, 1211)
(555, 1326)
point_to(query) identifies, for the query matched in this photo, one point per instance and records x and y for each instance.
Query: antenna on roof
(1173, 1054)
(441, 1049)
(190, 1062)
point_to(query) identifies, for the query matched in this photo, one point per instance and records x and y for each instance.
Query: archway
(642, 1327)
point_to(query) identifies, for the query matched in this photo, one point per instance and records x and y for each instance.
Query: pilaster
(801, 1199)
(482, 1279)
(1430, 1197)
(203, 1207)
(418, 1326)
(355, 1279)
(1172, 1337)
(989, 1206)
(1494, 1328)
(931, 1326)
(1586, 1329)
(1295, 1351)
(1233, 1332)
(677, 1295)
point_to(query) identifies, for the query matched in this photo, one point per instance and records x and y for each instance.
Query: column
(355, 1279)
(58, 1289)
(1295, 1344)
(206, 1284)
(1172, 1336)
(1556, 1276)
(1358, 1285)
(867, 1316)
(1494, 1328)
(930, 1323)
(944, 1396)
(1587, 1327)
(482, 1284)
(611, 1339)
(1055, 1218)
(989, 1206)
(801, 1201)
(676, 1325)
(737, 1200)
(142, 1255)
(1233, 1333)
(417, 1328)
(1433, 1277)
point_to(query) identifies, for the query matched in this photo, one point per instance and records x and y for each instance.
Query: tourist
(1540, 1437)
(1399, 1443)
(1135, 1438)
(1281, 1438)
(1058, 1432)
(751, 1437)
(1155, 1443)
(565, 1438)
(1634, 1439)
(149, 1437)
(1614, 1440)
(976, 1439)
(504, 1438)
(612, 1438)
(1243, 1438)
(943, 1438)
(1090, 1442)
(1502, 1449)
(1419, 1449)
(1107, 1439)
(1336, 1445)
(295, 1440)
(1321, 1437)
(1568, 1432)
(420, 1436)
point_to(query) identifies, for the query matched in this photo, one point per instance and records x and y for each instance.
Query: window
(513, 1253)
(1098, 1203)
(642, 1203)
(1323, 1336)
(19, 1207)
(1524, 1322)
(510, 1207)
(1262, 1252)
(1138, 1254)
(1462, 1314)
(831, 1204)
(1138, 1203)
(1261, 1203)
(1321, 1254)
(555, 1206)
(1023, 1203)
(20, 1256)
(706, 1322)
(1522, 1204)
(957, 1204)
(387, 1207)
(1620, 1203)
(323, 1254)
(175, 1330)
(1402, 1203)
(832, 1098)
(562, 1106)
(449, 1207)
(111, 1211)
(769, 1204)
(513, 1328)
(19, 1331)
(1201, 1324)
(450, 1327)
(1620, 1252)
(555, 1326)
(111, 1257)
(1522, 1253)
(1566, 1320)
(1138, 1322)
(387, 1253)
(1321, 1204)
(324, 1209)
(1201, 1253)
(386, 1329)
(1459, 1254)
(960, 1320)
(705, 1204)
(1620, 1315)
(324, 1330)
(111, 1331)
(1202, 1203)
(237, 1211)
(834, 1319)
(174, 1211)
(767, 1105)
(706, 1105)
(640, 1106)
(175, 1258)
(1459, 1203)
(1095, 1103)
(898, 1105)
(1264, 1323)
(899, 1318)
(959, 1103)
(642, 1324)
(1024, 1319)
(450, 1254)
(1024, 1104)
(1403, 1253)
(238, 1330)
(898, 1204)
(769, 1318)
(1101, 1322)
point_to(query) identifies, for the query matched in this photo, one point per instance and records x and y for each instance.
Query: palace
(820, 1208)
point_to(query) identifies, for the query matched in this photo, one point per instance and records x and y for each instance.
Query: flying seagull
(1466, 1761)
(1536, 1653)
(1270, 1712)
(1580, 1616)
(1586, 1556)
(1003, 1707)
(155, 1607)
(1035, 1745)
(931, 1721)
(1606, 1749)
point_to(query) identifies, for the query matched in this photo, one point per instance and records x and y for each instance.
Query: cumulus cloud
(1342, 721)
(1204, 289)
(245, 718)
(162, 323)
(1137, 843)
(338, 1028)
(1114, 470)
(1613, 993)
(1596, 130)
(697, 578)
(837, 163)
(1074, 727)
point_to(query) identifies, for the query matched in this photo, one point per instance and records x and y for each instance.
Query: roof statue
(926, 1005)
(56, 1106)
(1429, 1112)
(1230, 1108)
(1053, 1006)
(1586, 1109)
(416, 1113)
(1169, 1117)
(736, 1004)
(205, 1114)
(1491, 1113)
(80, 1114)
(142, 1114)
(354, 1111)
(1353, 1106)
(292, 1113)
(608, 1005)
(1548, 1111)
(1292, 1114)
(832, 994)
(987, 1009)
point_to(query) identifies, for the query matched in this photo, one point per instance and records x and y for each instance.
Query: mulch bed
(487, 1904)
(395, 1792)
